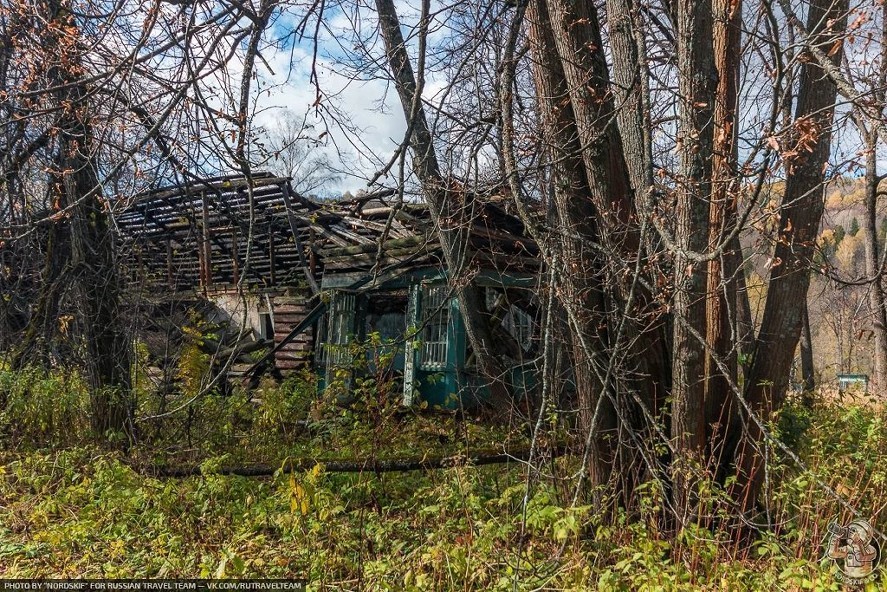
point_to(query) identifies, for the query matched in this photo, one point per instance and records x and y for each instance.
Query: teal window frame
(435, 334)
(339, 327)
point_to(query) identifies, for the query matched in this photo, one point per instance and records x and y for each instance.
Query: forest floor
(69, 508)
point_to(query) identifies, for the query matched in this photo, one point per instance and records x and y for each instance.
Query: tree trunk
(724, 272)
(622, 371)
(808, 379)
(777, 340)
(580, 291)
(576, 32)
(108, 356)
(872, 266)
(696, 78)
(35, 345)
(744, 325)
(92, 256)
(632, 92)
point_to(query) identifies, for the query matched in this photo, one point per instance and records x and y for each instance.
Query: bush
(43, 408)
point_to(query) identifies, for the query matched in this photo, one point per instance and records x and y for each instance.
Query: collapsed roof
(232, 230)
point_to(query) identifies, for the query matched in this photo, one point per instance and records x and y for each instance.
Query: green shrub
(42, 407)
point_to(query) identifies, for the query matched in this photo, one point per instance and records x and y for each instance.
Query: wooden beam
(207, 248)
(271, 260)
(169, 275)
(235, 268)
(312, 283)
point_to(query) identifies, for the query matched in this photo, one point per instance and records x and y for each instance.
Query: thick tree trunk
(108, 356)
(724, 272)
(35, 345)
(576, 32)
(872, 266)
(777, 340)
(621, 366)
(581, 292)
(80, 241)
(632, 92)
(93, 261)
(696, 78)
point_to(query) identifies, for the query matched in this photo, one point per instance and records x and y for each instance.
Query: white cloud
(363, 101)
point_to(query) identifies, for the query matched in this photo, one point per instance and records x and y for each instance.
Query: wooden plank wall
(289, 309)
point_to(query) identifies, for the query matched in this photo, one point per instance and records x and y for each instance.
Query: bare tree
(767, 380)
(99, 104)
(291, 150)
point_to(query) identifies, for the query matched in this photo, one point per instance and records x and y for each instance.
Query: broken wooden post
(235, 268)
(207, 248)
(169, 275)
(312, 283)
(271, 256)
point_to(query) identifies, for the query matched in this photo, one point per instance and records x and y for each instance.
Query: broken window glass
(512, 319)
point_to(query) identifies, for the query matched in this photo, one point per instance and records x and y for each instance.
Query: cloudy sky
(358, 121)
(369, 108)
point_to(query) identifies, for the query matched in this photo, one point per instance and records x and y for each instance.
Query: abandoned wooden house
(321, 282)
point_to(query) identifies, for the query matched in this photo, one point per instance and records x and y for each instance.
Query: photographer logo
(855, 551)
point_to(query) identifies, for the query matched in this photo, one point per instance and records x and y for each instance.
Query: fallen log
(297, 465)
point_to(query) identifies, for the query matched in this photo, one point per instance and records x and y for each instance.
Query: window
(266, 326)
(436, 318)
(386, 314)
(384, 324)
(520, 326)
(514, 320)
(338, 331)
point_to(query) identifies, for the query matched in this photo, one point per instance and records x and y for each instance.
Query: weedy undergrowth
(69, 508)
